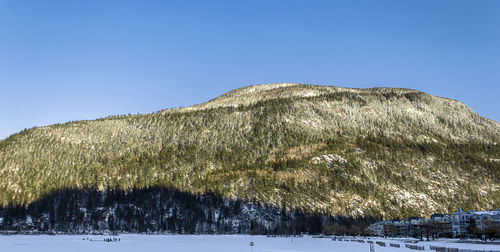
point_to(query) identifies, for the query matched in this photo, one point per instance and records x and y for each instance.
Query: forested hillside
(161, 210)
(380, 152)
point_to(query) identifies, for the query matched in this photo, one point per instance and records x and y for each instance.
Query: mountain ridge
(322, 90)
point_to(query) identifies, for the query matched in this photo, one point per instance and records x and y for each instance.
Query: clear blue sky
(73, 60)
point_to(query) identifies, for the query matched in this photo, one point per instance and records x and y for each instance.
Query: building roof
(484, 212)
(437, 215)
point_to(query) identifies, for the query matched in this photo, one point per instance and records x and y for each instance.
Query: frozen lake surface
(210, 243)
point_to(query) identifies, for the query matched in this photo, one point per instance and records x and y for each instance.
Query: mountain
(314, 150)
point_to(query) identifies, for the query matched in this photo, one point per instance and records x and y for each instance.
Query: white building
(460, 220)
(378, 229)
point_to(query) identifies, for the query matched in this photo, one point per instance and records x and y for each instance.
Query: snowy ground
(210, 243)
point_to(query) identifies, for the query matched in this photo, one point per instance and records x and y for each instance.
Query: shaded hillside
(162, 210)
(323, 150)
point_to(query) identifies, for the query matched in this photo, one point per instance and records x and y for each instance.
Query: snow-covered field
(210, 243)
